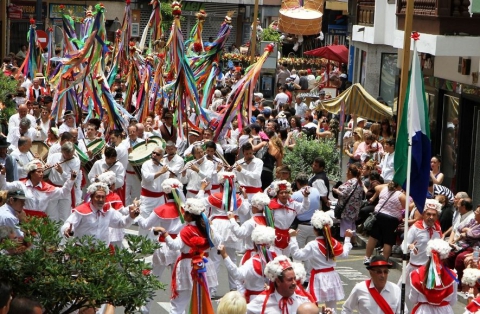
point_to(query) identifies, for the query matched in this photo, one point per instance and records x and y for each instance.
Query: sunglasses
(155, 153)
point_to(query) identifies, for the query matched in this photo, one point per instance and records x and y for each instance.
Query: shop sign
(29, 10)
(74, 10)
(14, 12)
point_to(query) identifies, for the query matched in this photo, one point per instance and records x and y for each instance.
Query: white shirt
(36, 199)
(250, 174)
(9, 218)
(100, 166)
(245, 230)
(300, 109)
(312, 253)
(72, 165)
(320, 186)
(281, 98)
(246, 274)
(14, 135)
(122, 154)
(14, 121)
(193, 180)
(96, 224)
(284, 216)
(272, 306)
(387, 166)
(421, 237)
(174, 165)
(361, 300)
(173, 226)
(21, 159)
(149, 181)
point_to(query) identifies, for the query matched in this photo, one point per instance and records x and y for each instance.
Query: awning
(358, 101)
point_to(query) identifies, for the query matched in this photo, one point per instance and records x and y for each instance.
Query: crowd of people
(238, 196)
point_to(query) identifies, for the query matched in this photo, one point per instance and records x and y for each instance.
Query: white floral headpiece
(320, 219)
(440, 246)
(223, 175)
(275, 268)
(194, 206)
(433, 204)
(470, 276)
(263, 235)
(282, 185)
(98, 186)
(260, 200)
(169, 184)
(33, 165)
(107, 177)
(300, 272)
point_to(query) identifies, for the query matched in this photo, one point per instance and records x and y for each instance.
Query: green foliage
(269, 34)
(300, 159)
(8, 87)
(80, 273)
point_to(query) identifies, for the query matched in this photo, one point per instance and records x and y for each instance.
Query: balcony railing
(366, 12)
(440, 17)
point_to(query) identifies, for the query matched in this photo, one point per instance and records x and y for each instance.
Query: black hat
(3, 142)
(67, 113)
(379, 261)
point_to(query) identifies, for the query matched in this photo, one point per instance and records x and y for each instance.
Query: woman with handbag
(387, 217)
(350, 198)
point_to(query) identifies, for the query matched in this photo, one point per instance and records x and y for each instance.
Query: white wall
(447, 68)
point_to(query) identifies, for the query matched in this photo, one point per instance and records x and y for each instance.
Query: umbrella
(337, 53)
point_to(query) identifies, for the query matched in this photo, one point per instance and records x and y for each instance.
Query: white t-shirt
(281, 98)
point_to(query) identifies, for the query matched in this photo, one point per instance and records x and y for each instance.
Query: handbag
(339, 208)
(372, 218)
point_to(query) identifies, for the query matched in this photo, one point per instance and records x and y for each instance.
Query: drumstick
(59, 163)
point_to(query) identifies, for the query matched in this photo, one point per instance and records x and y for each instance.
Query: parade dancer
(194, 242)
(284, 211)
(325, 284)
(281, 298)
(95, 217)
(38, 192)
(434, 286)
(259, 203)
(251, 272)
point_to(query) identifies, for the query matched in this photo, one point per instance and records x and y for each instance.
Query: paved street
(351, 271)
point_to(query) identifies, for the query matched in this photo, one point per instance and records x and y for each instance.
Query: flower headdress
(433, 204)
(107, 177)
(300, 272)
(98, 186)
(321, 220)
(174, 186)
(282, 185)
(263, 235)
(470, 276)
(438, 250)
(194, 206)
(33, 165)
(276, 267)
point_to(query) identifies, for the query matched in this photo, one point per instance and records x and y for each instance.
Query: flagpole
(407, 194)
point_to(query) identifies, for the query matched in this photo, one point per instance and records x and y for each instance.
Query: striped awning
(359, 102)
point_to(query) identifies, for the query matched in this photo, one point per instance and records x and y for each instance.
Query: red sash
(275, 205)
(216, 199)
(248, 254)
(167, 211)
(433, 296)
(474, 306)
(260, 220)
(85, 208)
(282, 238)
(337, 247)
(252, 189)
(114, 200)
(248, 293)
(46, 187)
(381, 302)
(148, 193)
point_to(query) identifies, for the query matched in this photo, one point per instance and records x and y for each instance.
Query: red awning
(337, 53)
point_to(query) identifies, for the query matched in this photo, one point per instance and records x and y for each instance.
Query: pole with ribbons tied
(413, 149)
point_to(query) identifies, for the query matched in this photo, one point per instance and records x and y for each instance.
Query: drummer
(132, 189)
(109, 162)
(172, 160)
(153, 174)
(196, 171)
(66, 162)
(80, 144)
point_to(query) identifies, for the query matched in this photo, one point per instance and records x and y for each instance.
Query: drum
(96, 147)
(81, 155)
(141, 153)
(41, 149)
(160, 141)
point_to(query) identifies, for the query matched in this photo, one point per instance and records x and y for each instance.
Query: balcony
(365, 12)
(440, 17)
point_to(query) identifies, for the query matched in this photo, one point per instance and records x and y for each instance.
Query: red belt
(282, 238)
(216, 186)
(34, 213)
(415, 308)
(312, 279)
(174, 271)
(249, 293)
(130, 172)
(194, 192)
(161, 238)
(148, 193)
(252, 189)
(220, 217)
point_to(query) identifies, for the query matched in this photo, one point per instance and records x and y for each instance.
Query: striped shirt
(441, 190)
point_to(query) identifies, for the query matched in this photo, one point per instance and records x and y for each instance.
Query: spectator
(300, 106)
(232, 303)
(452, 216)
(280, 98)
(386, 165)
(5, 297)
(22, 305)
(311, 79)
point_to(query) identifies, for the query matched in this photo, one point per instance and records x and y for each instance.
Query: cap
(194, 133)
(67, 113)
(217, 93)
(259, 95)
(18, 194)
(379, 261)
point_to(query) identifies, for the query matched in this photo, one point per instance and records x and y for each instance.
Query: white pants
(305, 235)
(132, 189)
(180, 302)
(59, 210)
(216, 259)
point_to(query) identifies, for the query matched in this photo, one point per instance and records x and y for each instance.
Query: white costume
(361, 300)
(100, 166)
(174, 165)
(272, 306)
(14, 135)
(193, 180)
(249, 177)
(21, 159)
(60, 209)
(10, 219)
(132, 190)
(14, 121)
